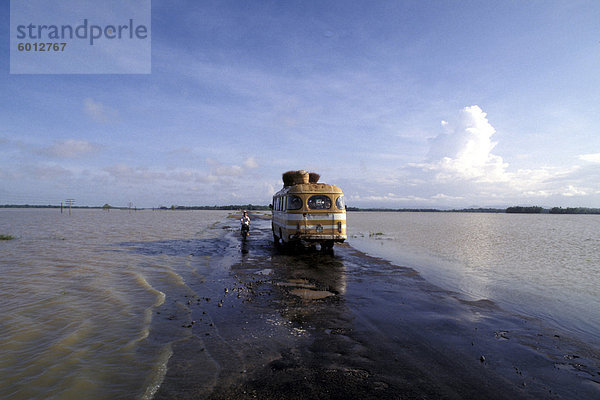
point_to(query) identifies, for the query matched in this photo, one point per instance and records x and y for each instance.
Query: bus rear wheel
(276, 240)
(327, 246)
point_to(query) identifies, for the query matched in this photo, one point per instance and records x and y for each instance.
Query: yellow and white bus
(310, 212)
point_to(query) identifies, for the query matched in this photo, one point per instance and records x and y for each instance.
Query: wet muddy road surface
(256, 322)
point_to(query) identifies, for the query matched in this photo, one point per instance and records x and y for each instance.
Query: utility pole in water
(69, 203)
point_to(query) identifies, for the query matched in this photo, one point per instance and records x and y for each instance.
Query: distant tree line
(26, 206)
(554, 210)
(481, 210)
(104, 207)
(510, 210)
(44, 206)
(525, 210)
(394, 209)
(107, 207)
(249, 207)
(574, 210)
(468, 210)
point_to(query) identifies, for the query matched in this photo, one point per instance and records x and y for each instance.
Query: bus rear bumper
(318, 238)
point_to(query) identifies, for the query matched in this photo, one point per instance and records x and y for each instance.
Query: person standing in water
(245, 221)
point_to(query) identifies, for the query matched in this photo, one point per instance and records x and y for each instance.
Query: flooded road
(173, 305)
(264, 323)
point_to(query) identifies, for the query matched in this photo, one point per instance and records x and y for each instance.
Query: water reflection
(245, 247)
(543, 266)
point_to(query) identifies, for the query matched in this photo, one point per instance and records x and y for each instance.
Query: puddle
(266, 271)
(308, 294)
(300, 283)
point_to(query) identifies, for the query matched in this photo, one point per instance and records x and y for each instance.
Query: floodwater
(173, 304)
(545, 266)
(77, 306)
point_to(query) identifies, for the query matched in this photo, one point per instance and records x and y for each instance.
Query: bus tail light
(340, 227)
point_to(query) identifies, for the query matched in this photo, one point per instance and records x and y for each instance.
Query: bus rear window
(319, 202)
(294, 203)
(340, 203)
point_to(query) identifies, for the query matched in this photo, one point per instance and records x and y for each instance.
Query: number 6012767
(50, 46)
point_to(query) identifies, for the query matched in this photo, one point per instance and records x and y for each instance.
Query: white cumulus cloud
(462, 167)
(464, 150)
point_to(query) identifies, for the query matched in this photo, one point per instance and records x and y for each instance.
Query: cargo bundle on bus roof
(291, 178)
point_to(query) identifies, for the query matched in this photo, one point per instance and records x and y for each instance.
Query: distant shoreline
(509, 210)
(252, 207)
(160, 208)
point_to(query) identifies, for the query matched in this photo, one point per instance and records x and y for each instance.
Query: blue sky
(401, 103)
